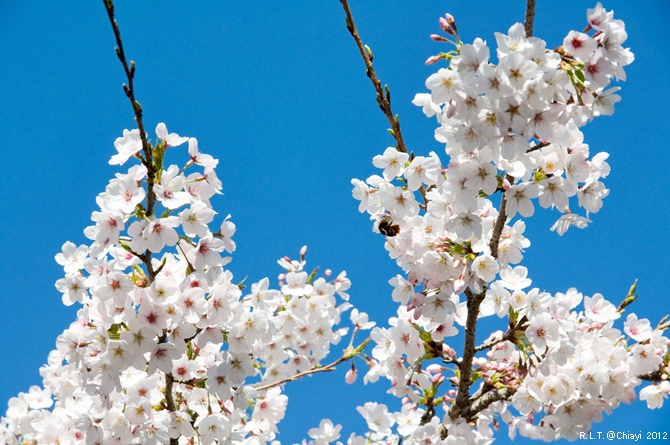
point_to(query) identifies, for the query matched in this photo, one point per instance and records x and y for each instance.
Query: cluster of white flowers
(170, 347)
(510, 129)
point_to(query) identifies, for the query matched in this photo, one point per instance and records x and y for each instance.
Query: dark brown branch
(129, 89)
(530, 17)
(383, 97)
(461, 405)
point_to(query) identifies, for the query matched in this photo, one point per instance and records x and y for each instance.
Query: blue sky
(277, 91)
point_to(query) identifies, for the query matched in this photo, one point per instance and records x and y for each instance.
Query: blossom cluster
(170, 347)
(511, 130)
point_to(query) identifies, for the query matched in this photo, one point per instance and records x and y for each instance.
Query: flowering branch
(348, 355)
(383, 94)
(129, 89)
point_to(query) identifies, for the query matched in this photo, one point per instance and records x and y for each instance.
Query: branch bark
(530, 17)
(461, 406)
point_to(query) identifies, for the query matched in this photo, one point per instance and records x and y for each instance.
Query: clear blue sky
(277, 91)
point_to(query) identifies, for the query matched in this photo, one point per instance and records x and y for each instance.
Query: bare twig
(383, 97)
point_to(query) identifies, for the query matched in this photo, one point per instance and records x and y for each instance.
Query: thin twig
(500, 221)
(383, 97)
(327, 368)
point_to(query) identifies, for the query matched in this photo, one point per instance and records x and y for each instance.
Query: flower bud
(444, 24)
(350, 376)
(432, 59)
(451, 21)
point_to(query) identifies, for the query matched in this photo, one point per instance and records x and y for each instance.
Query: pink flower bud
(451, 21)
(303, 251)
(327, 273)
(434, 368)
(432, 59)
(438, 38)
(506, 185)
(350, 376)
(459, 285)
(444, 24)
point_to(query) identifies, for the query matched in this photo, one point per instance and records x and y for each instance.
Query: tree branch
(530, 16)
(486, 399)
(383, 97)
(461, 405)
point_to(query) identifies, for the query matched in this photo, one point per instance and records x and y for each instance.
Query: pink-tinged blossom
(159, 233)
(195, 218)
(515, 278)
(171, 139)
(296, 284)
(604, 103)
(598, 70)
(162, 358)
(485, 267)
(109, 226)
(591, 195)
(326, 432)
(655, 395)
(392, 161)
(73, 288)
(445, 85)
(568, 220)
(170, 189)
(543, 333)
(360, 320)
(519, 200)
(127, 146)
(198, 157)
(400, 202)
(638, 330)
(422, 170)
(427, 105)
(152, 317)
(598, 17)
(226, 232)
(207, 253)
(600, 310)
(377, 417)
(72, 257)
(579, 45)
(645, 360)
